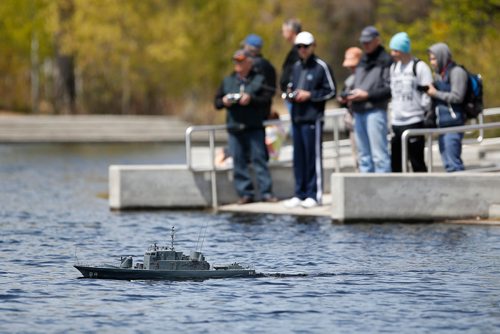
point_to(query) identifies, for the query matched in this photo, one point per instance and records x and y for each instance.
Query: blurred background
(167, 57)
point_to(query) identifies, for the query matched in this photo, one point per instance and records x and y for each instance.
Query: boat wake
(286, 275)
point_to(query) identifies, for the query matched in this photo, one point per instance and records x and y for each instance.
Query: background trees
(168, 56)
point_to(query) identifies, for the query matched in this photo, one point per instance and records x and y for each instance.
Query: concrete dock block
(419, 197)
(177, 187)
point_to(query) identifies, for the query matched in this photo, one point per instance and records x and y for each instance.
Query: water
(393, 278)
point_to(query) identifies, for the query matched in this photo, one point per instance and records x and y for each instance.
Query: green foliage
(469, 27)
(169, 56)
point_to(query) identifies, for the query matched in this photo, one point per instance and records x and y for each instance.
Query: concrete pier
(419, 197)
(351, 197)
(177, 187)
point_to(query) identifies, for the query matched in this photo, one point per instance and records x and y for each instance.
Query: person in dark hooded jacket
(448, 92)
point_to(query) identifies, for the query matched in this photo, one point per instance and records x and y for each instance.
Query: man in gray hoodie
(448, 92)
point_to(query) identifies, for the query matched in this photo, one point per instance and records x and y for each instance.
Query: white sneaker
(292, 202)
(309, 203)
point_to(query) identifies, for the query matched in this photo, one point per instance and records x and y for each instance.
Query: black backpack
(473, 100)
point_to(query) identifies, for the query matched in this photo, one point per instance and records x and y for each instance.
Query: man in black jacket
(290, 29)
(253, 45)
(243, 95)
(370, 98)
(312, 85)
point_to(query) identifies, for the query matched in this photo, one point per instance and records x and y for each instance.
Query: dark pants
(415, 146)
(307, 161)
(249, 146)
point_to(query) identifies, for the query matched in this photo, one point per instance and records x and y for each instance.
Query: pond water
(393, 278)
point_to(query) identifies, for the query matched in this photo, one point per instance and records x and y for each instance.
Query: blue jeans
(370, 129)
(248, 146)
(450, 147)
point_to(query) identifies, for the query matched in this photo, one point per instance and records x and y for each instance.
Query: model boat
(165, 263)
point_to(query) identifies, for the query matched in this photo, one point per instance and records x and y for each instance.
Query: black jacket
(286, 69)
(252, 115)
(314, 76)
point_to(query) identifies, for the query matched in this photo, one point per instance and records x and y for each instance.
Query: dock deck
(278, 208)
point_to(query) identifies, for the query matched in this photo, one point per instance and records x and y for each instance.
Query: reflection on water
(415, 278)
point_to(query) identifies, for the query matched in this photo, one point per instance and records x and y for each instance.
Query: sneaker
(309, 203)
(245, 200)
(292, 202)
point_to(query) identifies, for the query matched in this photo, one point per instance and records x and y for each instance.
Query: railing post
(404, 151)
(213, 171)
(189, 130)
(336, 143)
(429, 152)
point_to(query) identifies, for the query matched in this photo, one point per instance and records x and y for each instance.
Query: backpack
(473, 99)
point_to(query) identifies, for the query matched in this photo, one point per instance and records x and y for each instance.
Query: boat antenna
(203, 239)
(172, 236)
(204, 231)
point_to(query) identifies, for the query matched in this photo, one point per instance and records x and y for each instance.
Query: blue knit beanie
(400, 42)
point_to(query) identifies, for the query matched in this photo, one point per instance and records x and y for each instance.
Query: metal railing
(429, 133)
(333, 114)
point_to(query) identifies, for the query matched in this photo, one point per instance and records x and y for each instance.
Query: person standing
(253, 45)
(370, 98)
(243, 95)
(289, 31)
(410, 78)
(448, 93)
(312, 85)
(351, 60)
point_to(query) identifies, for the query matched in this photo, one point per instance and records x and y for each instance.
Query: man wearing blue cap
(253, 45)
(410, 78)
(370, 98)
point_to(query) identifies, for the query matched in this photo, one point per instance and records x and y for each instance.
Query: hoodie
(457, 75)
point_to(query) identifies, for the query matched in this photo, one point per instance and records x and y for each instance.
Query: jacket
(286, 69)
(372, 75)
(315, 76)
(451, 83)
(252, 115)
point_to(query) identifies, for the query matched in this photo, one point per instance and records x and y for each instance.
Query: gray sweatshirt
(458, 76)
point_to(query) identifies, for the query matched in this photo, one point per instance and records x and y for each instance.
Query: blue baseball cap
(368, 34)
(254, 40)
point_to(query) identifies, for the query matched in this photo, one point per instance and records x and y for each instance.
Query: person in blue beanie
(410, 78)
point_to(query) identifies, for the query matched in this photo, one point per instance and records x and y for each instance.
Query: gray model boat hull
(144, 274)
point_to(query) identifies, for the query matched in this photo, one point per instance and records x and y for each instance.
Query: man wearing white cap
(410, 78)
(312, 84)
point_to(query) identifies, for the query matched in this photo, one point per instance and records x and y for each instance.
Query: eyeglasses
(300, 46)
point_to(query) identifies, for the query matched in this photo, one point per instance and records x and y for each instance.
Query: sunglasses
(300, 46)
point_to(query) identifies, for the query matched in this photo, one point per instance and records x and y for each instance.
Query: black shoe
(270, 199)
(245, 200)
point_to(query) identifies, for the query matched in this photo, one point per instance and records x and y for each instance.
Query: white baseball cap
(305, 38)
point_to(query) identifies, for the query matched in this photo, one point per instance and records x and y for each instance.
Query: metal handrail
(428, 133)
(212, 129)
